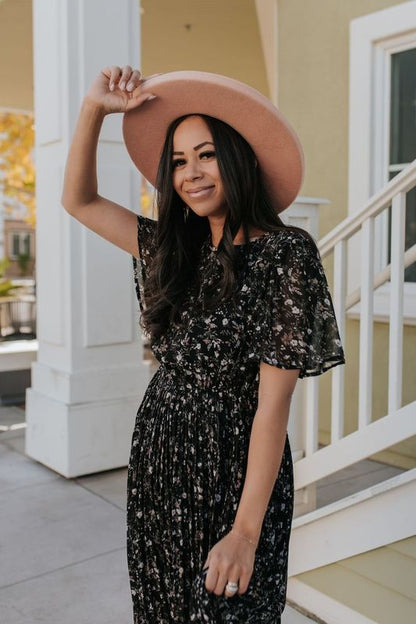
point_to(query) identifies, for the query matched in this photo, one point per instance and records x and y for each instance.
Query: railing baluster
(365, 382)
(371, 437)
(338, 373)
(398, 224)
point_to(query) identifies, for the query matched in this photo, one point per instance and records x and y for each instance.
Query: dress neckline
(251, 240)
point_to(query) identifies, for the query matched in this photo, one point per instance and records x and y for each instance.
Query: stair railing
(400, 422)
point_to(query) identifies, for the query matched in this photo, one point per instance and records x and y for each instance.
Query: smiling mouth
(201, 192)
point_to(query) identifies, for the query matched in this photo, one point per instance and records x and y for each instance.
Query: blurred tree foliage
(17, 170)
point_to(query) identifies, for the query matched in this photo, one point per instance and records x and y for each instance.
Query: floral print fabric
(192, 431)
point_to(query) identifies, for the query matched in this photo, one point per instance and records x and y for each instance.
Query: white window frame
(373, 39)
(21, 234)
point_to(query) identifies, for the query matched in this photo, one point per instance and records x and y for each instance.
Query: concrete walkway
(62, 541)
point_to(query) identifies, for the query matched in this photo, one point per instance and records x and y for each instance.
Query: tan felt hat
(276, 146)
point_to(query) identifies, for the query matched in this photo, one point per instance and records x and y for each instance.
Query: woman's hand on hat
(118, 89)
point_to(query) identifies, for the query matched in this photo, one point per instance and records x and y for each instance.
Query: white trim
(377, 436)
(369, 519)
(18, 354)
(382, 304)
(373, 39)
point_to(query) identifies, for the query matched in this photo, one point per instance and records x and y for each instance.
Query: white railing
(400, 422)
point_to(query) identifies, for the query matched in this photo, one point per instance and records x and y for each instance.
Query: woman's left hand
(231, 560)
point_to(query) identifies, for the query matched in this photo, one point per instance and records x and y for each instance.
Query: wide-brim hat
(276, 146)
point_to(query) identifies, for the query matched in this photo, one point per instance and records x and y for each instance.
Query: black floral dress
(191, 436)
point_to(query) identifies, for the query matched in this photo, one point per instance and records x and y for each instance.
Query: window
(20, 244)
(382, 136)
(403, 137)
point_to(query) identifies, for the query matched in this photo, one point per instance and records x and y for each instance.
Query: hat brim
(276, 146)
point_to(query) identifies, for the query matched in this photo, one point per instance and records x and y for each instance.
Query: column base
(82, 438)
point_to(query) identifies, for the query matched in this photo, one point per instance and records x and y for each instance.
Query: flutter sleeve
(146, 239)
(301, 330)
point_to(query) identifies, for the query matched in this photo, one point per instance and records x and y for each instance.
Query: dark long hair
(179, 241)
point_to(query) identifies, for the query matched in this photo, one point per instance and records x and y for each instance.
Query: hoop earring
(185, 213)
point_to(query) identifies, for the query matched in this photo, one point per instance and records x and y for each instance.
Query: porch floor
(63, 540)
(63, 554)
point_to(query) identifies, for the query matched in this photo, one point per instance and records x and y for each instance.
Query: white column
(304, 213)
(89, 377)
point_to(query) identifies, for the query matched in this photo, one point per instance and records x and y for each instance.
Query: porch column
(304, 213)
(89, 377)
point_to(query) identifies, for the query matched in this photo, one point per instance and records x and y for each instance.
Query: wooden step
(379, 585)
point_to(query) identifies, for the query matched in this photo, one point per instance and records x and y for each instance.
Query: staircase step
(353, 479)
(407, 547)
(292, 616)
(387, 567)
(402, 478)
(362, 522)
(360, 594)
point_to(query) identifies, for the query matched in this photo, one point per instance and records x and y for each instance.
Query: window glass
(15, 244)
(26, 244)
(403, 137)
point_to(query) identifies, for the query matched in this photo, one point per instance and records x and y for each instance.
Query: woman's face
(195, 176)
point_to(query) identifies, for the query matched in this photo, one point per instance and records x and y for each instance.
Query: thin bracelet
(243, 536)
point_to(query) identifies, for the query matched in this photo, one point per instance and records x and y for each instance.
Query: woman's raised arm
(115, 90)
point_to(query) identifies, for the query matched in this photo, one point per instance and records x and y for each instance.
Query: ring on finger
(231, 587)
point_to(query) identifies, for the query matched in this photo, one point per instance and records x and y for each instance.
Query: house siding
(313, 53)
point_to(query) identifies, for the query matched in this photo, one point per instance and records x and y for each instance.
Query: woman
(237, 308)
